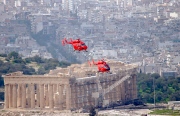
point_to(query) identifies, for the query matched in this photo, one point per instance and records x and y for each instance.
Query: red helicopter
(102, 66)
(77, 44)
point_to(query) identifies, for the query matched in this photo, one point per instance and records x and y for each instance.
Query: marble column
(127, 89)
(51, 104)
(68, 97)
(113, 92)
(7, 96)
(116, 93)
(86, 95)
(42, 96)
(93, 101)
(122, 93)
(119, 92)
(130, 89)
(14, 96)
(76, 103)
(28, 92)
(55, 94)
(81, 94)
(46, 95)
(37, 95)
(23, 95)
(60, 97)
(10, 95)
(110, 93)
(73, 96)
(105, 87)
(32, 96)
(89, 95)
(19, 96)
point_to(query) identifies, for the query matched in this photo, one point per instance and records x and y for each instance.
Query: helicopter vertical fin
(89, 63)
(71, 39)
(63, 41)
(93, 62)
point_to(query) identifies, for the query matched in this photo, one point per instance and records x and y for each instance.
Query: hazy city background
(146, 32)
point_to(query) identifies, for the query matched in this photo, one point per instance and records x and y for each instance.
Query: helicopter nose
(85, 47)
(107, 67)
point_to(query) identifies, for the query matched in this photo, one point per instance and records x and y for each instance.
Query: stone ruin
(75, 87)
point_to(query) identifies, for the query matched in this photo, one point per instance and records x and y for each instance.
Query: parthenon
(74, 87)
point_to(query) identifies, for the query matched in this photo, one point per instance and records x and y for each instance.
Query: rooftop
(84, 70)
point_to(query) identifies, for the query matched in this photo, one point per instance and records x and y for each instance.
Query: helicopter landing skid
(77, 51)
(104, 72)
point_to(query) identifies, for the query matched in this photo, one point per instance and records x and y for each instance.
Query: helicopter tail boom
(64, 42)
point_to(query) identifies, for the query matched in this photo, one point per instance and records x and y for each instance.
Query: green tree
(13, 55)
(1, 81)
(2, 96)
(166, 88)
(155, 75)
(3, 55)
(19, 60)
(41, 70)
(37, 59)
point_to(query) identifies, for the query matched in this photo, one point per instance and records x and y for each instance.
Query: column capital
(67, 85)
(20, 84)
(51, 84)
(14, 84)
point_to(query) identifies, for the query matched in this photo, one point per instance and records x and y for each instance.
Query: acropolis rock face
(75, 87)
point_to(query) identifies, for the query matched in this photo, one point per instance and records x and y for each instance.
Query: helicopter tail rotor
(93, 61)
(89, 63)
(64, 41)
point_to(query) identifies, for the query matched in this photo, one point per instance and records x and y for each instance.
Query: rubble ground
(39, 113)
(113, 112)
